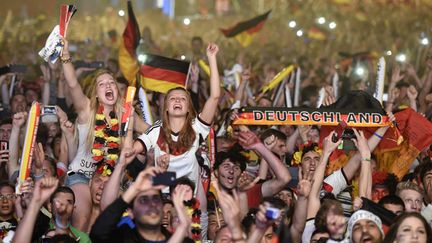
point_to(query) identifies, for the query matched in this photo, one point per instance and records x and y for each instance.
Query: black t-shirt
(6, 226)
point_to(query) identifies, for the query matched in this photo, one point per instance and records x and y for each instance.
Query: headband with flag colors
(244, 31)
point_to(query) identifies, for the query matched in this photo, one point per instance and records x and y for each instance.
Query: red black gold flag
(316, 34)
(417, 133)
(244, 31)
(393, 156)
(127, 51)
(162, 74)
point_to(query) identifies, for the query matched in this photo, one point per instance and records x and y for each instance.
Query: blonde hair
(94, 104)
(187, 134)
(407, 185)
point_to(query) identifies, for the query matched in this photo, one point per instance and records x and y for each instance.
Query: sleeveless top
(83, 161)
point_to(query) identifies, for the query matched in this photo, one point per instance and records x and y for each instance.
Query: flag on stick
(162, 74)
(127, 51)
(128, 109)
(244, 31)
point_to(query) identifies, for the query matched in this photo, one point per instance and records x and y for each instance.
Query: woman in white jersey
(176, 137)
(98, 137)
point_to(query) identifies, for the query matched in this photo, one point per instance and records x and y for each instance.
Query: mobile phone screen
(167, 178)
(4, 145)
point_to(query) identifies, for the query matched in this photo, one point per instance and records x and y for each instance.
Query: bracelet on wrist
(38, 177)
(379, 136)
(66, 60)
(366, 159)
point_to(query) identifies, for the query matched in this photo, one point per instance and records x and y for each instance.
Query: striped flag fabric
(161, 74)
(127, 51)
(244, 31)
(156, 73)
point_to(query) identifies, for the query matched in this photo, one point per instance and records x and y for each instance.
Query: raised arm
(243, 82)
(18, 121)
(412, 96)
(413, 73)
(113, 184)
(300, 211)
(250, 141)
(46, 72)
(365, 180)
(68, 131)
(350, 169)
(79, 99)
(314, 200)
(185, 221)
(211, 104)
(42, 192)
(139, 125)
(4, 90)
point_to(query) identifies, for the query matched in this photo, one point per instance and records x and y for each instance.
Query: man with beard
(364, 226)
(145, 202)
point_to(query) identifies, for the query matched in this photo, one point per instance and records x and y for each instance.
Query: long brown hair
(392, 233)
(94, 104)
(186, 135)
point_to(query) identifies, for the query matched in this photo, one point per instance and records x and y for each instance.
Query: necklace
(192, 208)
(106, 142)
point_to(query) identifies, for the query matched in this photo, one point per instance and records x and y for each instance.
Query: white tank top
(83, 161)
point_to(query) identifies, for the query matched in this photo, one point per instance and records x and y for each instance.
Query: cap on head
(363, 214)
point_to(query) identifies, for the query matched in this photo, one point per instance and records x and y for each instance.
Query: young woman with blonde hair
(98, 125)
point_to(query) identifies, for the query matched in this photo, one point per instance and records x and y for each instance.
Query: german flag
(162, 74)
(316, 34)
(127, 51)
(417, 133)
(244, 31)
(392, 156)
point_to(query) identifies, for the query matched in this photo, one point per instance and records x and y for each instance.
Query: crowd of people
(88, 183)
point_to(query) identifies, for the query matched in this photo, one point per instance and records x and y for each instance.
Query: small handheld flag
(128, 109)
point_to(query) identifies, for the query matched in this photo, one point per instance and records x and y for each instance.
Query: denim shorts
(73, 178)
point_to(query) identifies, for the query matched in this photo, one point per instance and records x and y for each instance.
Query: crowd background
(328, 37)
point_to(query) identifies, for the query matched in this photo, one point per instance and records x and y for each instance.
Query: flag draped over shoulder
(162, 74)
(127, 51)
(244, 31)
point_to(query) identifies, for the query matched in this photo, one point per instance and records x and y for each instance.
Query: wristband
(366, 159)
(38, 177)
(379, 136)
(66, 60)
